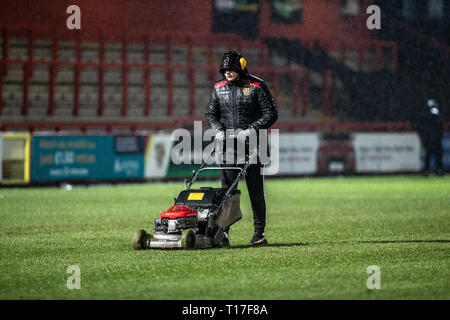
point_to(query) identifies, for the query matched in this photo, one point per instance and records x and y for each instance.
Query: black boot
(258, 240)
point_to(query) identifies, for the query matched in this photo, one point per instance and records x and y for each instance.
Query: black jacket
(430, 127)
(241, 104)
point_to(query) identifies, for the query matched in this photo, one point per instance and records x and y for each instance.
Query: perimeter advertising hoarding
(56, 158)
(177, 169)
(387, 152)
(15, 158)
(298, 153)
(312, 153)
(1, 157)
(157, 156)
(71, 158)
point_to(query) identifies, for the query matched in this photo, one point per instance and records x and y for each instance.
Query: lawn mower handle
(195, 174)
(242, 171)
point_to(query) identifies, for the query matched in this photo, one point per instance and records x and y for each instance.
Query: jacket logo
(246, 91)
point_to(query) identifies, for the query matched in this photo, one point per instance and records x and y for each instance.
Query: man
(430, 129)
(242, 102)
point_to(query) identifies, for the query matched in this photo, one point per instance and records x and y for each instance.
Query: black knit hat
(233, 61)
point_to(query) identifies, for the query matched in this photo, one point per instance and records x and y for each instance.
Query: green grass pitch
(324, 233)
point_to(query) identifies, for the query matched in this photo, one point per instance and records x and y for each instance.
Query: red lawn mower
(198, 217)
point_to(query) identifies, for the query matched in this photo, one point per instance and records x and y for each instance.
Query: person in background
(429, 126)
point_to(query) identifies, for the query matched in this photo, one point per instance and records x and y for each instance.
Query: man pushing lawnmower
(242, 104)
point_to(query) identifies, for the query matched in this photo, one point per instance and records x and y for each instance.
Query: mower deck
(184, 240)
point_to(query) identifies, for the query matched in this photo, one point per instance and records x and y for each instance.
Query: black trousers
(255, 186)
(433, 147)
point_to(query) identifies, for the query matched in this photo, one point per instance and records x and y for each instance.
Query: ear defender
(243, 63)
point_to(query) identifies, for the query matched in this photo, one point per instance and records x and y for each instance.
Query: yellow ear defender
(243, 63)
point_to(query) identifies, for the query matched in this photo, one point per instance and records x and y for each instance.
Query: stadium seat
(67, 51)
(113, 52)
(42, 50)
(90, 52)
(136, 53)
(18, 48)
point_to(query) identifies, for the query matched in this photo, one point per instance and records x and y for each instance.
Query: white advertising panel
(298, 153)
(387, 152)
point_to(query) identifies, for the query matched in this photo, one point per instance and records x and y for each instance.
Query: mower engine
(176, 219)
(196, 220)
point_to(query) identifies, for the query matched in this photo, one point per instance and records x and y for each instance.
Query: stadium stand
(149, 80)
(121, 82)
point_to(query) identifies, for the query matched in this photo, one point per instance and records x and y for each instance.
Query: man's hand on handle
(220, 136)
(243, 134)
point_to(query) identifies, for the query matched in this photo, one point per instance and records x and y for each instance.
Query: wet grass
(323, 234)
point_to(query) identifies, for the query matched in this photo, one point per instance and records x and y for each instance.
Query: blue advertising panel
(70, 158)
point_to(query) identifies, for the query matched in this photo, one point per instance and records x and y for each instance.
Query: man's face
(231, 75)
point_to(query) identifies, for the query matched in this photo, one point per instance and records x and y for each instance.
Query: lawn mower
(198, 217)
